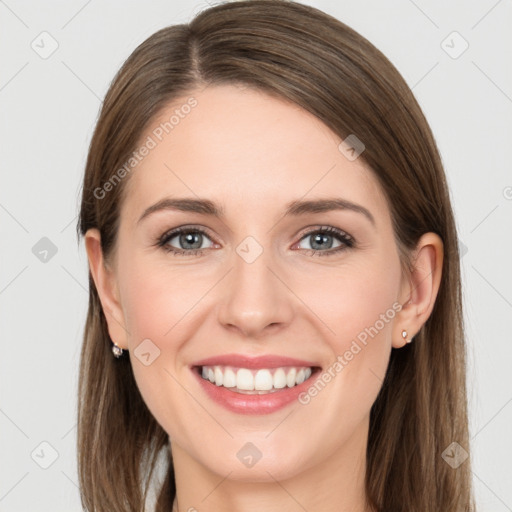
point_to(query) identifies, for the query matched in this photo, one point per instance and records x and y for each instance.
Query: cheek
(357, 302)
(158, 298)
(359, 305)
(160, 305)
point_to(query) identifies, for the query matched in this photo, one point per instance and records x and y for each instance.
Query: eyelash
(343, 237)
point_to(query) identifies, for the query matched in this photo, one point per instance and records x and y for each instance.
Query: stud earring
(117, 351)
(404, 336)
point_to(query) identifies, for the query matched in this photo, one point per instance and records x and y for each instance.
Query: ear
(419, 289)
(105, 281)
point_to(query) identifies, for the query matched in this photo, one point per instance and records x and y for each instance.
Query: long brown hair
(298, 53)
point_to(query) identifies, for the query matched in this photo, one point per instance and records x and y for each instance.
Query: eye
(189, 240)
(321, 241)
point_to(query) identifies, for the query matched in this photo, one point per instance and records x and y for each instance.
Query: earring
(404, 336)
(117, 351)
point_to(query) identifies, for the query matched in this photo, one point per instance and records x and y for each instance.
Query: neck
(336, 484)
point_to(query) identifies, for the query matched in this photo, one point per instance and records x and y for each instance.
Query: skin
(252, 154)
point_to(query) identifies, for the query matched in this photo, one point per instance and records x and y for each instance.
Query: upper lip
(243, 361)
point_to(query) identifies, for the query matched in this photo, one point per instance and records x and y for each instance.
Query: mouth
(255, 385)
(256, 381)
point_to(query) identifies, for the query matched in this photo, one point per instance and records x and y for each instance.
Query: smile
(255, 381)
(254, 384)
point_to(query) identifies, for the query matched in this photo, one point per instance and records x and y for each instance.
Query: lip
(253, 404)
(243, 361)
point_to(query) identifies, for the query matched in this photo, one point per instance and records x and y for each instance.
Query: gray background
(49, 107)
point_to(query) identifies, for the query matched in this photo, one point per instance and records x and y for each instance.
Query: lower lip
(253, 404)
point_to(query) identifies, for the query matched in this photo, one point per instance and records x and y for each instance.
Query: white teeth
(256, 381)
(279, 379)
(263, 380)
(290, 378)
(218, 376)
(244, 379)
(229, 378)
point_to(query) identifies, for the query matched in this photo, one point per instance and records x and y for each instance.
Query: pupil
(189, 239)
(321, 239)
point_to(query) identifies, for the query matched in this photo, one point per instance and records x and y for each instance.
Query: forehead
(246, 150)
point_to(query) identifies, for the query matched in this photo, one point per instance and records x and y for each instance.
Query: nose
(256, 299)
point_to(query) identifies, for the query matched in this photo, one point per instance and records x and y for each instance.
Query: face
(314, 290)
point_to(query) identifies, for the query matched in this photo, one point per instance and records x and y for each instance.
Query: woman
(228, 155)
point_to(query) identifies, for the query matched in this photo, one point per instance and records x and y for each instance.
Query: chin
(250, 464)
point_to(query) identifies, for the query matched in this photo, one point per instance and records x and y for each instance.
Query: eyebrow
(294, 208)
